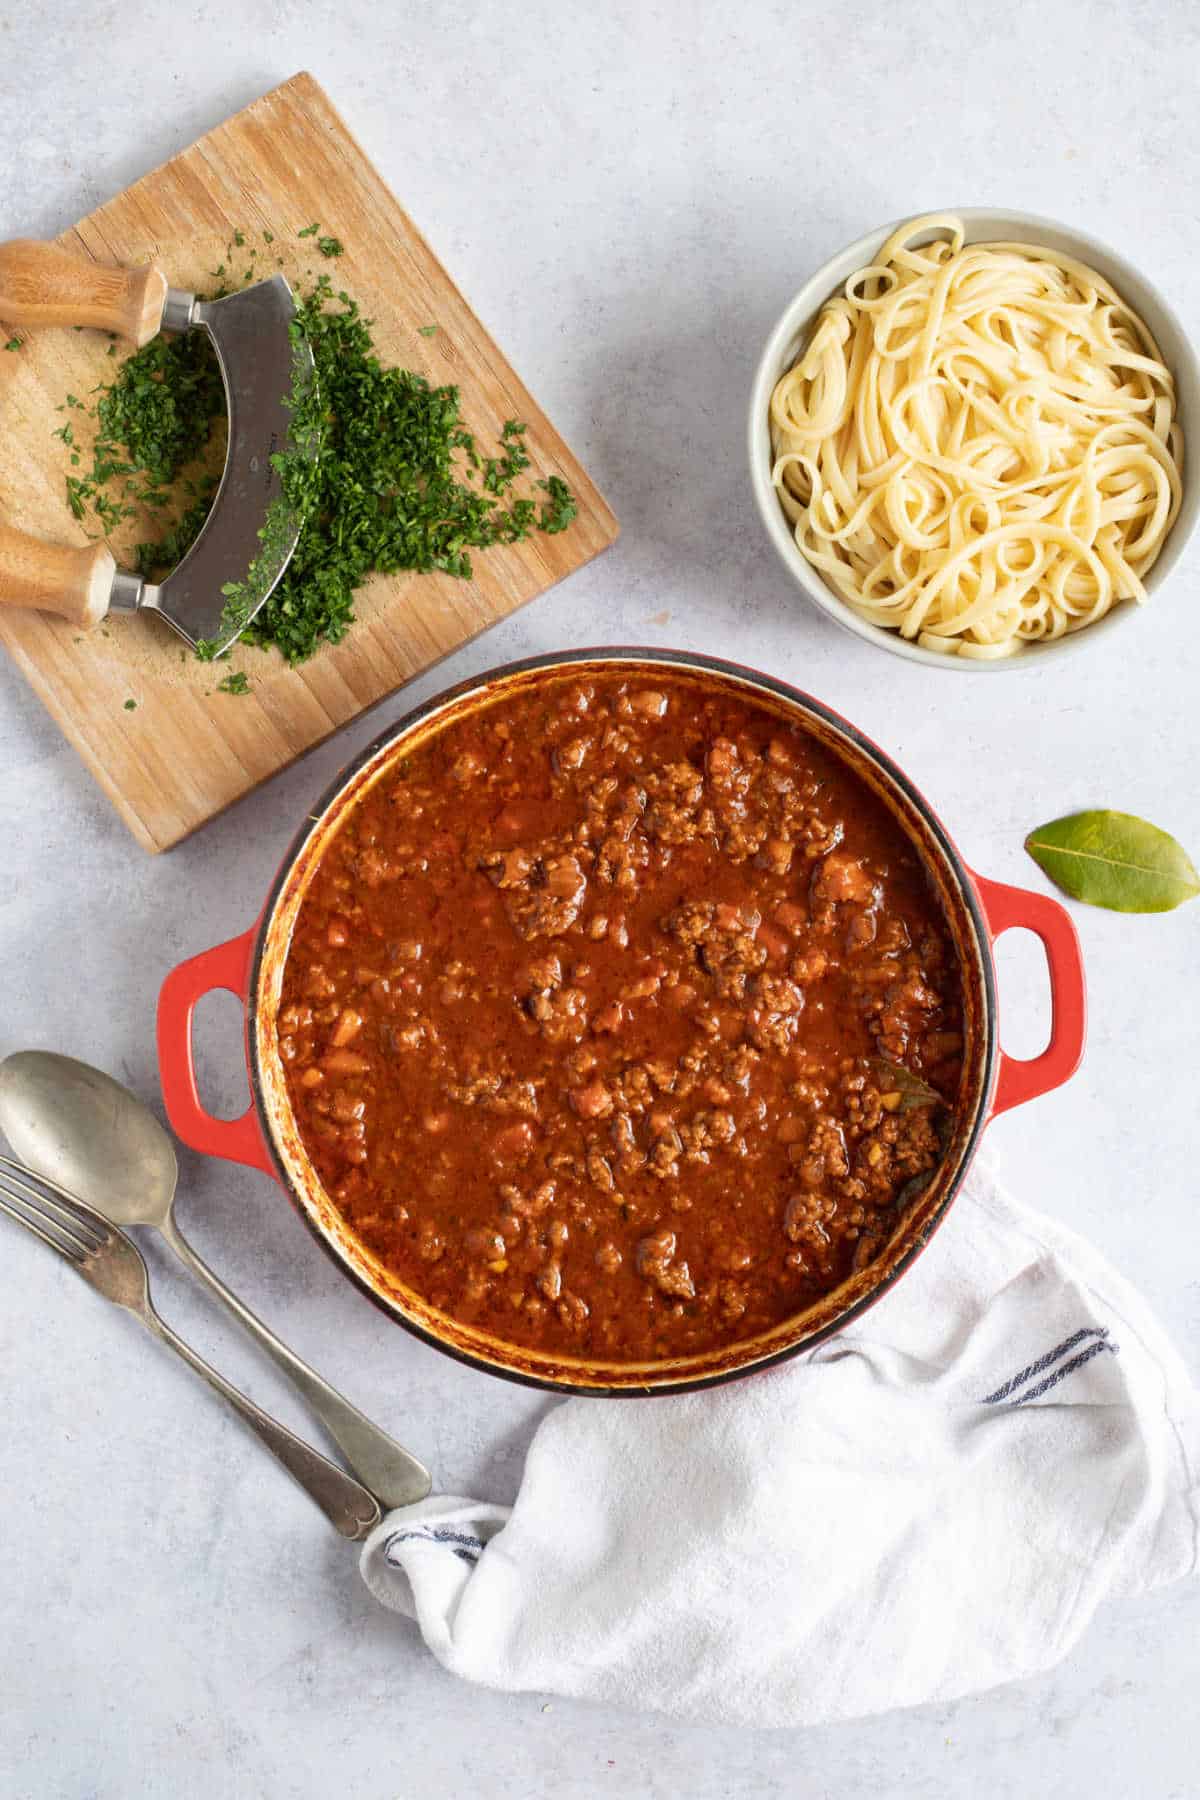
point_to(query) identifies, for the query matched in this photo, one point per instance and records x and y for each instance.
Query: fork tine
(30, 1201)
(51, 1213)
(72, 1254)
(38, 1190)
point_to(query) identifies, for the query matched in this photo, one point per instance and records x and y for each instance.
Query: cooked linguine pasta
(978, 447)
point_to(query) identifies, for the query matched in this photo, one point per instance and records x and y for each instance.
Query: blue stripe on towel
(1067, 1368)
(1100, 1332)
(465, 1544)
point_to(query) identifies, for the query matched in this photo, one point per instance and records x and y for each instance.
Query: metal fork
(112, 1263)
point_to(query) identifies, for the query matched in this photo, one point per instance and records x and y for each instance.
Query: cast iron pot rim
(682, 659)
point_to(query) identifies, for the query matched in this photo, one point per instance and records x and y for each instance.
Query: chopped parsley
(14, 343)
(380, 469)
(131, 706)
(309, 230)
(499, 472)
(558, 508)
(236, 683)
(162, 553)
(330, 246)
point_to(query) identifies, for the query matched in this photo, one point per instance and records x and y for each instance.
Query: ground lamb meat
(841, 880)
(724, 941)
(656, 1263)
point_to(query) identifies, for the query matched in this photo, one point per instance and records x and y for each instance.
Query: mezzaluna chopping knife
(262, 365)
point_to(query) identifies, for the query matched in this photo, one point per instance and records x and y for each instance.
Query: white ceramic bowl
(981, 225)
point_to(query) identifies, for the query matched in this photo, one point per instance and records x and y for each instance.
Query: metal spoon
(79, 1127)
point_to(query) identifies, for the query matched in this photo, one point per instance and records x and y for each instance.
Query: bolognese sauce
(604, 1014)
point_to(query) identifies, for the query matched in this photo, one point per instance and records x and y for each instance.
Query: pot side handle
(1024, 1078)
(225, 966)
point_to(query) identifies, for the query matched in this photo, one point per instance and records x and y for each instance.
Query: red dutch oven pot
(265, 1136)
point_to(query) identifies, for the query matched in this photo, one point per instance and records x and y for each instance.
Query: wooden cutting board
(184, 751)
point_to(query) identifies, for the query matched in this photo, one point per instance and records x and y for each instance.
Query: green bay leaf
(1115, 860)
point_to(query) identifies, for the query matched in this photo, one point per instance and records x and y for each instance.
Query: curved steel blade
(260, 366)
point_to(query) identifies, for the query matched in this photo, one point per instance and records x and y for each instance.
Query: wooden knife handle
(43, 285)
(74, 583)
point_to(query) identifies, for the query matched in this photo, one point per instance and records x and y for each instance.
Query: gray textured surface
(628, 194)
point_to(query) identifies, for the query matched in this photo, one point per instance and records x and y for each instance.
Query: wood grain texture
(186, 751)
(44, 284)
(72, 581)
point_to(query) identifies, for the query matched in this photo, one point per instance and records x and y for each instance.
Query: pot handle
(1024, 1078)
(225, 966)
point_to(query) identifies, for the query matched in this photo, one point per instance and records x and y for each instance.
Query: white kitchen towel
(931, 1503)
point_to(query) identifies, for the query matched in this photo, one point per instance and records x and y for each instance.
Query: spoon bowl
(77, 1126)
